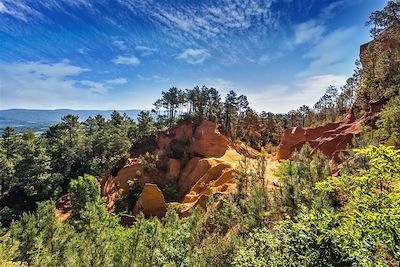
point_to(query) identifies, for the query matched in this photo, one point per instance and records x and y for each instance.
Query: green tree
(85, 189)
(171, 100)
(383, 19)
(231, 113)
(146, 126)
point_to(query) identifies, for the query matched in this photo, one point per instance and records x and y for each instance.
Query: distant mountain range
(39, 120)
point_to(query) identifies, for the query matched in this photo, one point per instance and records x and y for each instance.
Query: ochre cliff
(151, 202)
(333, 138)
(200, 163)
(330, 139)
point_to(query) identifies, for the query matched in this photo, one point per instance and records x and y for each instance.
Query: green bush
(85, 189)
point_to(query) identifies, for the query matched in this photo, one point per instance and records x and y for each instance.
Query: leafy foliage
(84, 190)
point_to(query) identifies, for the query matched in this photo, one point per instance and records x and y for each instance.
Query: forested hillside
(205, 180)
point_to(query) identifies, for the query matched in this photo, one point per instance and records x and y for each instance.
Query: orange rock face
(200, 160)
(330, 139)
(151, 202)
(209, 142)
(208, 171)
(174, 168)
(111, 187)
(213, 177)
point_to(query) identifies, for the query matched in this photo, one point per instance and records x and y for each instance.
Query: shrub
(85, 189)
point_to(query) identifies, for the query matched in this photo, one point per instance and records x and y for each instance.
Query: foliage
(85, 189)
(362, 232)
(298, 178)
(389, 122)
(127, 201)
(383, 19)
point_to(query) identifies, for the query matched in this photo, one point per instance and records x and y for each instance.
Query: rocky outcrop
(331, 139)
(209, 142)
(211, 176)
(200, 161)
(112, 187)
(196, 159)
(334, 138)
(151, 202)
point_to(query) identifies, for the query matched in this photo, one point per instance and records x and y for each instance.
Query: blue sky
(121, 54)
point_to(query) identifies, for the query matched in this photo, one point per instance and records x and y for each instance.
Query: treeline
(34, 168)
(238, 120)
(234, 116)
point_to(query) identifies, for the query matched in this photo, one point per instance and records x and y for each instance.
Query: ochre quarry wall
(330, 139)
(333, 138)
(200, 160)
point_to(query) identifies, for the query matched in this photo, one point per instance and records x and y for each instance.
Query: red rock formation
(202, 164)
(209, 171)
(174, 168)
(111, 187)
(151, 202)
(209, 142)
(330, 139)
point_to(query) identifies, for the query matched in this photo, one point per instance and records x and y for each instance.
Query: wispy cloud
(207, 19)
(145, 50)
(281, 98)
(38, 85)
(83, 50)
(117, 81)
(264, 59)
(153, 78)
(330, 52)
(3, 8)
(95, 87)
(19, 10)
(328, 11)
(120, 44)
(132, 60)
(194, 56)
(314, 87)
(309, 31)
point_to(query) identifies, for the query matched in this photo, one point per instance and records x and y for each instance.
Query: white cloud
(145, 51)
(126, 60)
(153, 78)
(117, 81)
(328, 11)
(83, 50)
(50, 85)
(44, 70)
(309, 31)
(95, 87)
(312, 88)
(120, 44)
(19, 10)
(194, 56)
(222, 85)
(3, 8)
(205, 19)
(264, 59)
(281, 98)
(330, 52)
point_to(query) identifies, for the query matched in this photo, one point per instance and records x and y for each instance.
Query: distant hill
(40, 119)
